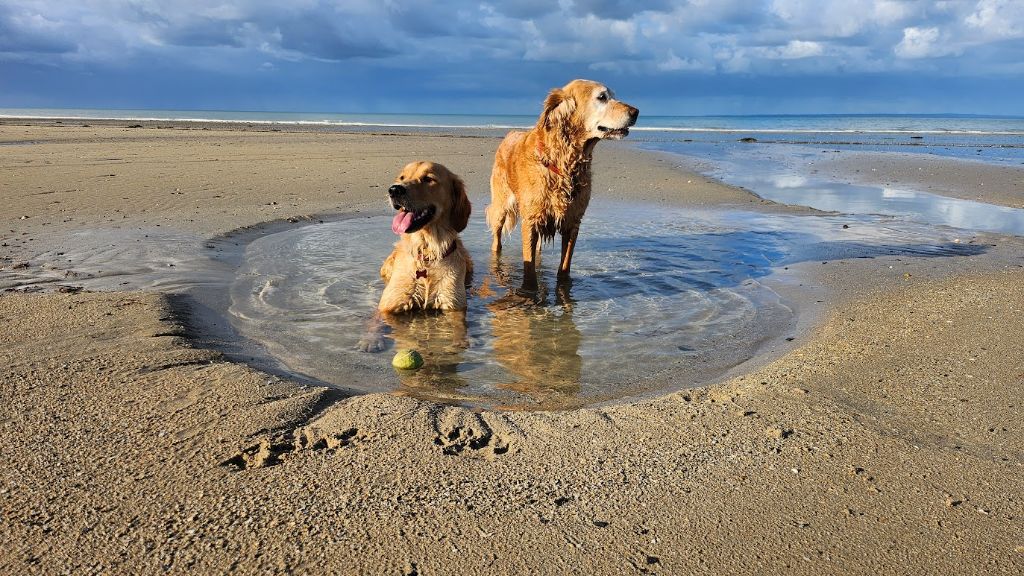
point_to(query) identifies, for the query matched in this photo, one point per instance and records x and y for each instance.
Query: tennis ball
(407, 360)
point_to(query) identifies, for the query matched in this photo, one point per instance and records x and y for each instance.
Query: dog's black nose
(396, 190)
(633, 114)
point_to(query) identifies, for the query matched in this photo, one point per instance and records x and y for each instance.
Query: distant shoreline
(753, 124)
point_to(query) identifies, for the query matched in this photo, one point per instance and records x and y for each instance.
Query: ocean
(755, 152)
(987, 138)
(775, 125)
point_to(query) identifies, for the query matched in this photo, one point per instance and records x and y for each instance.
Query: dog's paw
(372, 343)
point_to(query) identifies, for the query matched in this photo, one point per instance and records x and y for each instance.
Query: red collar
(540, 152)
(451, 249)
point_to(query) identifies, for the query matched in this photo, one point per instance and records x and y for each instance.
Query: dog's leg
(530, 251)
(373, 339)
(450, 293)
(467, 282)
(388, 266)
(400, 295)
(568, 245)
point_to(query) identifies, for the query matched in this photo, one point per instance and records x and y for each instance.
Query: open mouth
(613, 133)
(409, 221)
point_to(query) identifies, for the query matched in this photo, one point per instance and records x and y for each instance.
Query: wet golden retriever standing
(542, 176)
(429, 267)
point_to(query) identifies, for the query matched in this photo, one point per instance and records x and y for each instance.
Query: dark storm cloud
(620, 9)
(24, 31)
(525, 9)
(337, 39)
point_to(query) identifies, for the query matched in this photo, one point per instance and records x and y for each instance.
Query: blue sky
(666, 56)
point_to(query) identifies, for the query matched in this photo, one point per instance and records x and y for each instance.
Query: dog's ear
(557, 107)
(460, 205)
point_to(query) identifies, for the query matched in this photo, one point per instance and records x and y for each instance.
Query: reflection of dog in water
(537, 344)
(441, 339)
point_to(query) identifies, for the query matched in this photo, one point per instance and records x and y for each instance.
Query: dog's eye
(428, 179)
(602, 97)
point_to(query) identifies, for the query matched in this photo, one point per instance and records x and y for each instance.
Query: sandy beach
(886, 439)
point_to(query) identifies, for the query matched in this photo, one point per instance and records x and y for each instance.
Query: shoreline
(333, 120)
(977, 180)
(889, 432)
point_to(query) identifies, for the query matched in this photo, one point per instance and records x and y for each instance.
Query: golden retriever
(429, 267)
(542, 176)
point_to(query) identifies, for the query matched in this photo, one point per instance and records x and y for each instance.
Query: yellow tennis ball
(407, 360)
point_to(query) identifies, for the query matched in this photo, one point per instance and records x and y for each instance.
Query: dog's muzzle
(633, 115)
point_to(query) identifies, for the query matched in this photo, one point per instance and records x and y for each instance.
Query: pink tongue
(401, 222)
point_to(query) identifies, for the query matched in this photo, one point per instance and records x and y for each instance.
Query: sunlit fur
(446, 278)
(542, 176)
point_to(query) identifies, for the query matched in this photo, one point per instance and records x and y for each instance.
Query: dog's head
(428, 196)
(590, 109)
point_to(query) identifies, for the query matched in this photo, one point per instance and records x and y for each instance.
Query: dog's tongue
(401, 222)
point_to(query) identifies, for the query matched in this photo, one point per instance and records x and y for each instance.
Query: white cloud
(673, 63)
(891, 11)
(586, 39)
(840, 18)
(998, 18)
(921, 43)
(730, 36)
(795, 50)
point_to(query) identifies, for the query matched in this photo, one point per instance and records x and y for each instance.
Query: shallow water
(661, 298)
(780, 173)
(123, 259)
(863, 199)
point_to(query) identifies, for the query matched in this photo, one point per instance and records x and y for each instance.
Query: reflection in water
(661, 297)
(441, 339)
(538, 345)
(859, 199)
(782, 173)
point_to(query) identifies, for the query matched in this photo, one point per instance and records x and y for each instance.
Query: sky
(668, 57)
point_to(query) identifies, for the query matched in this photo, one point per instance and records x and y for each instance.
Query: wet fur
(541, 177)
(447, 278)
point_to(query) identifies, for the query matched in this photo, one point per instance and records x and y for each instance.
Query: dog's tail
(501, 219)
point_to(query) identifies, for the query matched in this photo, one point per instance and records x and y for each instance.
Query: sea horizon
(845, 123)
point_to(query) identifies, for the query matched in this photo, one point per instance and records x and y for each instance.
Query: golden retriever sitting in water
(542, 176)
(429, 267)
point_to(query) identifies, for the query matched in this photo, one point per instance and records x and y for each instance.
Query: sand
(887, 441)
(964, 179)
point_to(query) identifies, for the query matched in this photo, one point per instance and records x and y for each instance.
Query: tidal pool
(661, 298)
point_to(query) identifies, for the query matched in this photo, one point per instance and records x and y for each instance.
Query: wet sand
(888, 441)
(964, 179)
